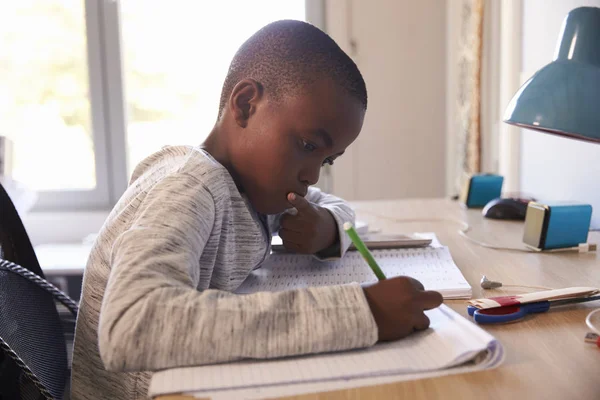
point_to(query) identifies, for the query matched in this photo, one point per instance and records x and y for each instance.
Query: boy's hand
(310, 230)
(397, 305)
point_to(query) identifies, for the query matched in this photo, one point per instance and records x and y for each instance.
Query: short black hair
(288, 55)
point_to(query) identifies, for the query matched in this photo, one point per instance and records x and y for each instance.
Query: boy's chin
(271, 210)
(270, 207)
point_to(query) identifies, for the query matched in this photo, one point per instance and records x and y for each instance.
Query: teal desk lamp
(563, 98)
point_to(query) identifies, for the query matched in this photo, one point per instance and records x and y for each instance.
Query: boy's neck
(216, 144)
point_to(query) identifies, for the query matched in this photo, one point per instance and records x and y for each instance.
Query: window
(90, 87)
(44, 94)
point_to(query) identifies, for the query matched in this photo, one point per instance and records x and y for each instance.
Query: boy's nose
(310, 175)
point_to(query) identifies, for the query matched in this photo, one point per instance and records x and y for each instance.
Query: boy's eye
(308, 146)
(328, 160)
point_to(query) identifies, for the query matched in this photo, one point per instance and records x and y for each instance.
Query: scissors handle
(508, 313)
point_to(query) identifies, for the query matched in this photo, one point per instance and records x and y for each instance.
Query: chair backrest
(33, 354)
(32, 339)
(15, 245)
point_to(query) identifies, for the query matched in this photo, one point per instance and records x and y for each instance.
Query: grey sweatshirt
(157, 290)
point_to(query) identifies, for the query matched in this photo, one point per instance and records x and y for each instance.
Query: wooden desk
(546, 356)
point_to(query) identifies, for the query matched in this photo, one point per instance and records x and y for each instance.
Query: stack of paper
(451, 345)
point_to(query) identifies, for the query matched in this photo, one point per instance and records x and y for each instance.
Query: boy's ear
(244, 99)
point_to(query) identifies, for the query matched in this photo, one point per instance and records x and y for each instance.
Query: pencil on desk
(362, 249)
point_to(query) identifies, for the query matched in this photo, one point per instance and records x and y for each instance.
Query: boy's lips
(299, 192)
(303, 192)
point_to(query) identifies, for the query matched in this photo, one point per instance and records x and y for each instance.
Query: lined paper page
(432, 266)
(493, 360)
(450, 341)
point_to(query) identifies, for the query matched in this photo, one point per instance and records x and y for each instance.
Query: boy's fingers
(290, 223)
(422, 322)
(430, 299)
(299, 202)
(290, 236)
(416, 284)
(291, 246)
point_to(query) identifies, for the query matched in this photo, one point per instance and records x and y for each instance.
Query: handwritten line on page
(451, 341)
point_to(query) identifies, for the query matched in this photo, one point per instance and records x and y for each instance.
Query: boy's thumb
(299, 202)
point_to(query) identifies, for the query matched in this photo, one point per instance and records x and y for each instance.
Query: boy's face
(284, 144)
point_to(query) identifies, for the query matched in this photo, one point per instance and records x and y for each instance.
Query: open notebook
(451, 345)
(432, 266)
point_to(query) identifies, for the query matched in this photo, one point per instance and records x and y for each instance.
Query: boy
(195, 222)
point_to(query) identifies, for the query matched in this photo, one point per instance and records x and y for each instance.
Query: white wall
(400, 48)
(554, 168)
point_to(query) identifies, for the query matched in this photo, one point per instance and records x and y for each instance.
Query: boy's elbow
(123, 335)
(111, 349)
(111, 359)
(117, 345)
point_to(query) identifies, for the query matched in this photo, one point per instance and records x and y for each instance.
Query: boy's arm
(152, 317)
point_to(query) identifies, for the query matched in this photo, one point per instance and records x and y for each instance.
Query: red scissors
(512, 313)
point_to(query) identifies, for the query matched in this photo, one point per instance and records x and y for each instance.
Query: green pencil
(362, 249)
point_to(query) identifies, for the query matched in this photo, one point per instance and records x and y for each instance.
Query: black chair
(33, 351)
(31, 336)
(15, 245)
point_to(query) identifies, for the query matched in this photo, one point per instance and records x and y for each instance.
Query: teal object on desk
(556, 225)
(481, 189)
(568, 225)
(563, 98)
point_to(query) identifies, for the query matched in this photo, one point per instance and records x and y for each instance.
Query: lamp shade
(563, 98)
